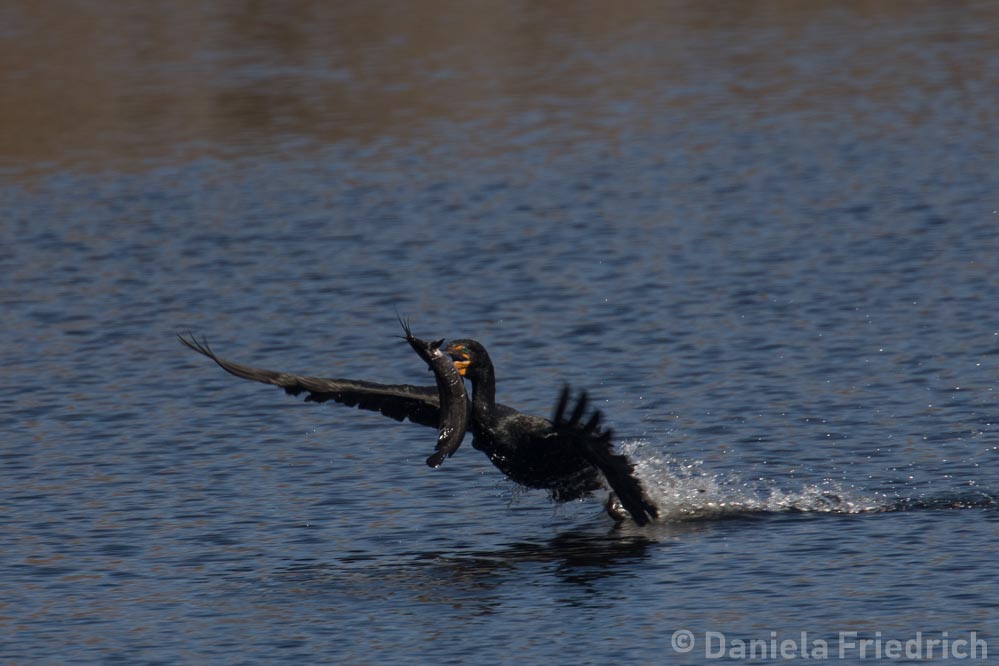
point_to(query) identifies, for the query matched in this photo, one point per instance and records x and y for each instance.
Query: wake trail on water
(682, 490)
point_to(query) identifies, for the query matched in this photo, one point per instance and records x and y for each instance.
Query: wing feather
(419, 404)
(596, 446)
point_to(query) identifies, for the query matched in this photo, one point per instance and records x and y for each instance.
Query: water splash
(684, 491)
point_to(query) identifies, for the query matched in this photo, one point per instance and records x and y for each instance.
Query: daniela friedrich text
(843, 645)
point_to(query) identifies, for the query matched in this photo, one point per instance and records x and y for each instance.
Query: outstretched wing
(595, 445)
(419, 404)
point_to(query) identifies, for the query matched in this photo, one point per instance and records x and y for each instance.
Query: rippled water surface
(763, 235)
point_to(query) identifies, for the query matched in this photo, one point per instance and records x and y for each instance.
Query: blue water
(764, 238)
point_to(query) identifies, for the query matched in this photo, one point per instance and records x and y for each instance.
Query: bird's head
(469, 357)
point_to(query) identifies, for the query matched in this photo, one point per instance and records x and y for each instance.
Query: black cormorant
(567, 456)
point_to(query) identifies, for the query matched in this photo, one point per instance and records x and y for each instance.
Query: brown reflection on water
(97, 85)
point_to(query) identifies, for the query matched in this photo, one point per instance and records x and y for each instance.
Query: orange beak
(462, 366)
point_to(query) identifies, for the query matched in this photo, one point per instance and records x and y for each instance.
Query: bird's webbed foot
(615, 509)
